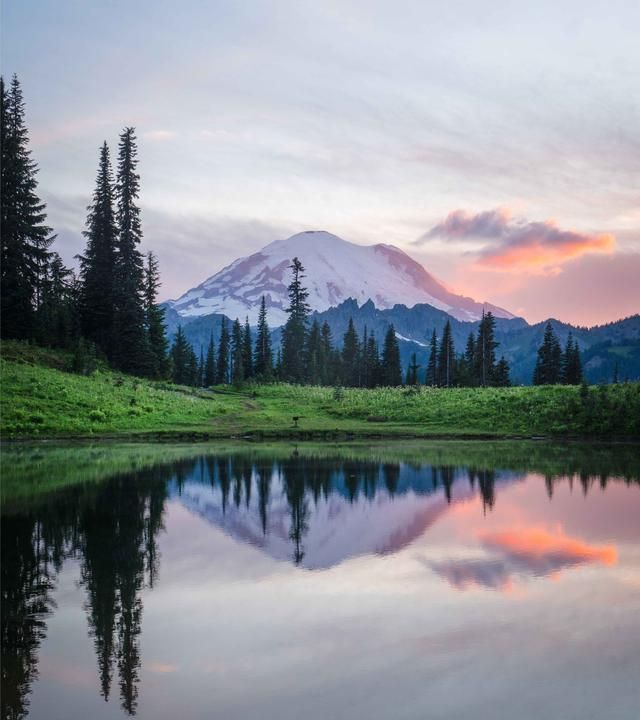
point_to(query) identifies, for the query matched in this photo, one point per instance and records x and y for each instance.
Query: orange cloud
(507, 242)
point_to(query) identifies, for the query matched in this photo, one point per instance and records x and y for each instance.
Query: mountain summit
(335, 271)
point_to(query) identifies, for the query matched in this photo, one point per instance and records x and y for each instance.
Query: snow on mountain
(335, 271)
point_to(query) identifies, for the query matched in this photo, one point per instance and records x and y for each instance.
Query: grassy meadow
(41, 399)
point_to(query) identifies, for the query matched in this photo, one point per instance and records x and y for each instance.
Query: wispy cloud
(508, 242)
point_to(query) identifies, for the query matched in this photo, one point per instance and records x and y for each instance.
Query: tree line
(109, 309)
(555, 366)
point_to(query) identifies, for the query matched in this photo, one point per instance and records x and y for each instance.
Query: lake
(414, 580)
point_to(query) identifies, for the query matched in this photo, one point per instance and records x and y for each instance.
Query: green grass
(40, 399)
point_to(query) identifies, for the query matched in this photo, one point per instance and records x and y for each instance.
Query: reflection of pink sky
(527, 535)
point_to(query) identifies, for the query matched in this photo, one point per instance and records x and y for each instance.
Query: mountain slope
(335, 271)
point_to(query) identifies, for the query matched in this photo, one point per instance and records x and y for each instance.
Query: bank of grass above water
(41, 399)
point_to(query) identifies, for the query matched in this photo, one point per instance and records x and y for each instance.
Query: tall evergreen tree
(184, 361)
(571, 364)
(237, 365)
(57, 319)
(431, 377)
(372, 361)
(294, 331)
(548, 367)
(313, 354)
(501, 373)
(412, 371)
(485, 350)
(351, 357)
(131, 351)
(391, 370)
(24, 236)
(247, 351)
(154, 321)
(469, 364)
(210, 364)
(263, 357)
(223, 364)
(97, 265)
(326, 359)
(446, 358)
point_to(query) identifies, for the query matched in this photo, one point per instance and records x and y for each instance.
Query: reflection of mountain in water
(343, 510)
(316, 512)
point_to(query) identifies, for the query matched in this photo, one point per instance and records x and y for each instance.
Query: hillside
(40, 398)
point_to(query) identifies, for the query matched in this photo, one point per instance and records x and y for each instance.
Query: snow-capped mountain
(335, 271)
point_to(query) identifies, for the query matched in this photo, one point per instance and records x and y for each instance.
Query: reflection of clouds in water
(532, 551)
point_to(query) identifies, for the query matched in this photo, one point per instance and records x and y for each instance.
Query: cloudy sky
(496, 142)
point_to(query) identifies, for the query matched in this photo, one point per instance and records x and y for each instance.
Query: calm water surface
(448, 582)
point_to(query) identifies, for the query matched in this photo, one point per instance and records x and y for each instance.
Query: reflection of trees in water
(112, 527)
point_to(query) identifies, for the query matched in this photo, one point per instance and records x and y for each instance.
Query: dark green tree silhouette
(391, 370)
(263, 356)
(295, 329)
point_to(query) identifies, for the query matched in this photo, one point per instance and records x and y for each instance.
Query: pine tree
(571, 365)
(327, 363)
(97, 265)
(263, 358)
(183, 360)
(222, 366)
(372, 360)
(237, 365)
(431, 377)
(446, 358)
(24, 236)
(313, 353)
(247, 351)
(501, 374)
(351, 357)
(469, 364)
(131, 351)
(549, 360)
(485, 350)
(57, 319)
(391, 370)
(200, 371)
(412, 371)
(294, 331)
(210, 364)
(154, 321)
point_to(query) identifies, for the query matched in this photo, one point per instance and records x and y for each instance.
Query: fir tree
(294, 331)
(237, 365)
(131, 350)
(469, 364)
(313, 354)
(210, 364)
(571, 365)
(24, 236)
(97, 265)
(446, 358)
(391, 370)
(154, 321)
(485, 350)
(549, 359)
(501, 373)
(247, 351)
(222, 366)
(431, 377)
(412, 371)
(351, 357)
(57, 320)
(184, 361)
(372, 360)
(263, 358)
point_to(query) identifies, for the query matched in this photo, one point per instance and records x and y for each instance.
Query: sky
(495, 142)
